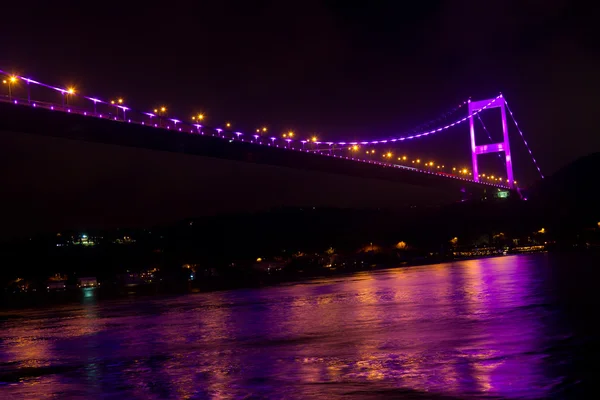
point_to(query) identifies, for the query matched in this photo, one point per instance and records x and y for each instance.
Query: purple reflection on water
(468, 329)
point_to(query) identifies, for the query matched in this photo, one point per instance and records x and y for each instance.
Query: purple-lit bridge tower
(503, 146)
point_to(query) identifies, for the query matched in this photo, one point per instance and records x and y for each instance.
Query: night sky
(340, 69)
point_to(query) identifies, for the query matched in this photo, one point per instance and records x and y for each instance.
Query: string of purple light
(61, 90)
(422, 134)
(443, 116)
(355, 142)
(524, 141)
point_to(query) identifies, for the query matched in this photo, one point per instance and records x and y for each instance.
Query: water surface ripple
(509, 327)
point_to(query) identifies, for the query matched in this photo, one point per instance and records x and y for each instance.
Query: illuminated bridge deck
(55, 123)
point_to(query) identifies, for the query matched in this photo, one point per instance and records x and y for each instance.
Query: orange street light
(11, 81)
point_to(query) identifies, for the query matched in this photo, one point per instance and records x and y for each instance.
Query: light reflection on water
(468, 329)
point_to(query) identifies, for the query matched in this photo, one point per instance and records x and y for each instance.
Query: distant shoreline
(45, 300)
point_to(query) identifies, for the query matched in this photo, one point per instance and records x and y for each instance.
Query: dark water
(509, 327)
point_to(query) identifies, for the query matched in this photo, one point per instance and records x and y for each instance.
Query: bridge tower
(498, 147)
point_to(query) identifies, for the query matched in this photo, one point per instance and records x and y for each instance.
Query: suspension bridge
(67, 113)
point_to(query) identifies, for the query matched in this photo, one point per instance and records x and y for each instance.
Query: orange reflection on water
(467, 328)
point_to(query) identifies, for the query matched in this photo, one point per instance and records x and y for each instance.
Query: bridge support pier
(503, 146)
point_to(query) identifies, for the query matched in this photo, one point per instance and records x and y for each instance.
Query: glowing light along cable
(444, 116)
(422, 134)
(35, 82)
(524, 141)
(96, 100)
